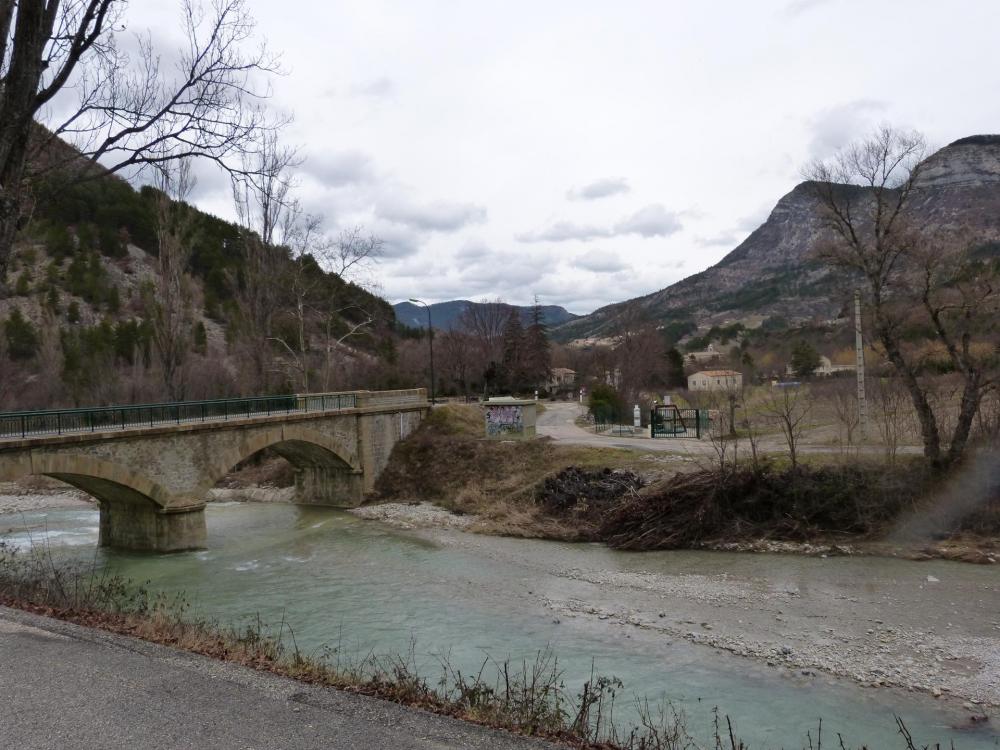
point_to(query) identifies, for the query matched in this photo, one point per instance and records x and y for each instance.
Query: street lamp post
(430, 339)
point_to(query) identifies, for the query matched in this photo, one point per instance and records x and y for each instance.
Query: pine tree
(22, 338)
(675, 369)
(513, 351)
(805, 359)
(537, 350)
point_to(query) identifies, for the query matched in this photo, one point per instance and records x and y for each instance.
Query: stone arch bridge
(150, 466)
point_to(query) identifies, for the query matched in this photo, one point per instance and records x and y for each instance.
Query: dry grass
(448, 462)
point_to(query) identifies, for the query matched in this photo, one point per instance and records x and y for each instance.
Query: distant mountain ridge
(771, 273)
(445, 315)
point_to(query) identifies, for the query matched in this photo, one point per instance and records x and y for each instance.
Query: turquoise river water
(363, 586)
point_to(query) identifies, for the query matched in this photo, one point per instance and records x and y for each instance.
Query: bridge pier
(323, 485)
(140, 527)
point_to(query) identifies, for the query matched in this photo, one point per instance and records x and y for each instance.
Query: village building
(561, 377)
(826, 368)
(715, 380)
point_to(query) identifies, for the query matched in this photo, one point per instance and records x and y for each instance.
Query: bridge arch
(105, 481)
(324, 472)
(136, 512)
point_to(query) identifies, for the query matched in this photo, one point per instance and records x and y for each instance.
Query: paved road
(558, 421)
(63, 686)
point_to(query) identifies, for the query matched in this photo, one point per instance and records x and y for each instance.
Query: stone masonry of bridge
(152, 483)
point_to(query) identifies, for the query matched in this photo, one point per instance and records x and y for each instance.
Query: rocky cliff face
(772, 272)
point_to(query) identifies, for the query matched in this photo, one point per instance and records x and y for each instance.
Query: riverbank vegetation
(632, 500)
(531, 698)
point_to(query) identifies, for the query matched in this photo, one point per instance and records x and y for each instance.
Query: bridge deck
(16, 426)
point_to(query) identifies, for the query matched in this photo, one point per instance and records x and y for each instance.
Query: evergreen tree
(200, 337)
(73, 312)
(805, 359)
(537, 350)
(675, 369)
(22, 288)
(513, 351)
(22, 338)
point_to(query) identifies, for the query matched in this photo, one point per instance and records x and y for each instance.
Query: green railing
(104, 418)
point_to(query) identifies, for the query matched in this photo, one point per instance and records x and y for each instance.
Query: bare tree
(484, 323)
(908, 275)
(789, 407)
(350, 257)
(891, 414)
(170, 305)
(263, 208)
(841, 396)
(130, 112)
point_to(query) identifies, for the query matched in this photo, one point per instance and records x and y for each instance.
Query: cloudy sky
(592, 151)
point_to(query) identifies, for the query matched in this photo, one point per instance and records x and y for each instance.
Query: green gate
(669, 421)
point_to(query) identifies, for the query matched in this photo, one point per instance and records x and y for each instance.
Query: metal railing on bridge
(104, 418)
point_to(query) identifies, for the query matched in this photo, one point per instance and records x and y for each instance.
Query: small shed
(510, 418)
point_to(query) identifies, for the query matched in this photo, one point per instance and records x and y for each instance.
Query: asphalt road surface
(64, 686)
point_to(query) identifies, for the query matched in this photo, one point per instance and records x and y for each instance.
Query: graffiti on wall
(504, 420)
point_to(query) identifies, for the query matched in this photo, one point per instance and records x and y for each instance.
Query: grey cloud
(473, 250)
(599, 189)
(835, 127)
(600, 261)
(437, 216)
(398, 241)
(651, 221)
(562, 231)
(338, 168)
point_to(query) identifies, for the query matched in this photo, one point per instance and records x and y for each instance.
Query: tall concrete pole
(860, 354)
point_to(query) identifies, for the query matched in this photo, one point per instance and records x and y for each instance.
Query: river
(364, 586)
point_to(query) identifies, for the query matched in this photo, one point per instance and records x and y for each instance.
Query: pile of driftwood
(792, 505)
(585, 494)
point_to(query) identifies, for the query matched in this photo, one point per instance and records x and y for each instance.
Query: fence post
(697, 422)
(24, 426)
(58, 423)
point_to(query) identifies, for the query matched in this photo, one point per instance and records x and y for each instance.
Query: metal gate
(669, 421)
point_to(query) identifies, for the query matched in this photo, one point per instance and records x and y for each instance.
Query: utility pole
(860, 355)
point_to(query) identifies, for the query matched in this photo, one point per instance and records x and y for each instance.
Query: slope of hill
(444, 315)
(78, 304)
(771, 273)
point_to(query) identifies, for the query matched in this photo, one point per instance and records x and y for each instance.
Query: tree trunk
(929, 432)
(971, 398)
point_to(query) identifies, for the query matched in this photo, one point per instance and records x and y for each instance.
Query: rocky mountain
(771, 274)
(444, 315)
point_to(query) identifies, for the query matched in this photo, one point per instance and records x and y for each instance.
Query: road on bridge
(65, 686)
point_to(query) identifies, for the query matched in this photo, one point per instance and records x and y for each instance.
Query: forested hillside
(121, 295)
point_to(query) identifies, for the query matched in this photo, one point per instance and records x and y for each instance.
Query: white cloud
(599, 189)
(337, 168)
(436, 216)
(651, 221)
(834, 127)
(599, 261)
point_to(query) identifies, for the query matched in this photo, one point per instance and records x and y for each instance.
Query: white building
(715, 380)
